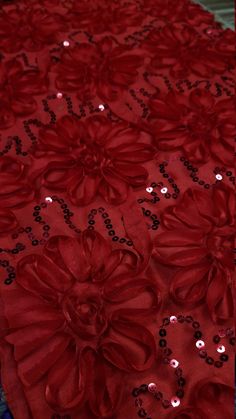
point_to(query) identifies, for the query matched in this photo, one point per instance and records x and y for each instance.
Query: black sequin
(224, 357)
(162, 332)
(209, 360)
(181, 381)
(142, 413)
(198, 334)
(135, 392)
(180, 393)
(162, 343)
(218, 364)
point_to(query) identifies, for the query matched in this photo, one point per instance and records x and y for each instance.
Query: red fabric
(123, 112)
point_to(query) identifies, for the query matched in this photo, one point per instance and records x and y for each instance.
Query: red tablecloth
(117, 121)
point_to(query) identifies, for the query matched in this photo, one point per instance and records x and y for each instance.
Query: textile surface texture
(117, 205)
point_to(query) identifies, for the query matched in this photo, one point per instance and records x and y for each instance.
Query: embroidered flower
(34, 28)
(179, 48)
(15, 190)
(93, 157)
(17, 89)
(104, 70)
(198, 239)
(86, 315)
(198, 124)
(8, 221)
(104, 16)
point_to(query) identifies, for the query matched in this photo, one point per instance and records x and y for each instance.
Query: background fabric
(117, 128)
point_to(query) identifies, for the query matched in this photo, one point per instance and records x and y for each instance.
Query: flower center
(84, 311)
(199, 125)
(85, 308)
(92, 157)
(24, 31)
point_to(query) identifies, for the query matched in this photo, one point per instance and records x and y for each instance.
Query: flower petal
(8, 221)
(30, 338)
(66, 381)
(220, 294)
(32, 368)
(105, 387)
(83, 188)
(189, 285)
(186, 257)
(134, 175)
(129, 346)
(113, 189)
(39, 275)
(132, 297)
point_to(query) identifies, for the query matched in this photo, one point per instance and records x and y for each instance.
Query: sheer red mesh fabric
(117, 128)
